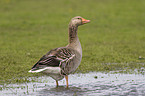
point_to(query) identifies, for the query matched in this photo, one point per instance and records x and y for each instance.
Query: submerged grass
(115, 38)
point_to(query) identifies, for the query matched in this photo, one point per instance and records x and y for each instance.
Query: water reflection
(94, 84)
(62, 90)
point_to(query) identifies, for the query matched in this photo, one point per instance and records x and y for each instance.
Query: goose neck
(74, 40)
(73, 33)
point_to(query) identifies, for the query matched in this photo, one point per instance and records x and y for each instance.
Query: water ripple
(82, 85)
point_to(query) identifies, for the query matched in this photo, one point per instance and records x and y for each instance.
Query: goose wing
(59, 57)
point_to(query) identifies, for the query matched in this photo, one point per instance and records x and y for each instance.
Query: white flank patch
(54, 70)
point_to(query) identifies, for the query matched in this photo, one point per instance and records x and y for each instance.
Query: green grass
(113, 40)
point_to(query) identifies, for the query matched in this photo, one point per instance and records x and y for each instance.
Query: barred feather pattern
(60, 57)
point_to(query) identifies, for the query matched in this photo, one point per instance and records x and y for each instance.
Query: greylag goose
(60, 62)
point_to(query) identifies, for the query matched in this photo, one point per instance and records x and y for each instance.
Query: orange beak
(84, 21)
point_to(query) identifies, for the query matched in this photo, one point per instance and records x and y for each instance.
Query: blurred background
(114, 39)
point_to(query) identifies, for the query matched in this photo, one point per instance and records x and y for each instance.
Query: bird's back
(66, 59)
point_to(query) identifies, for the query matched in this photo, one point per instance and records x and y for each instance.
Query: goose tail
(36, 70)
(46, 70)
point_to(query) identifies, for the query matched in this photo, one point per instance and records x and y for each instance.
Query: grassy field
(113, 40)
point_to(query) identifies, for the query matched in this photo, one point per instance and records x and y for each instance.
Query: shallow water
(94, 84)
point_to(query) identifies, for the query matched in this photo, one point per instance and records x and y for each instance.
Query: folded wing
(55, 60)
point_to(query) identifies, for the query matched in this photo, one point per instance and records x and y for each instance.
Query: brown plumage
(60, 62)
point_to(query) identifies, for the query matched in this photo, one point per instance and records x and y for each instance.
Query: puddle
(94, 84)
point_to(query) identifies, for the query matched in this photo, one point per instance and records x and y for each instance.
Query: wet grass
(114, 40)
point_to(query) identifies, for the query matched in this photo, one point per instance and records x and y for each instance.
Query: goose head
(78, 20)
